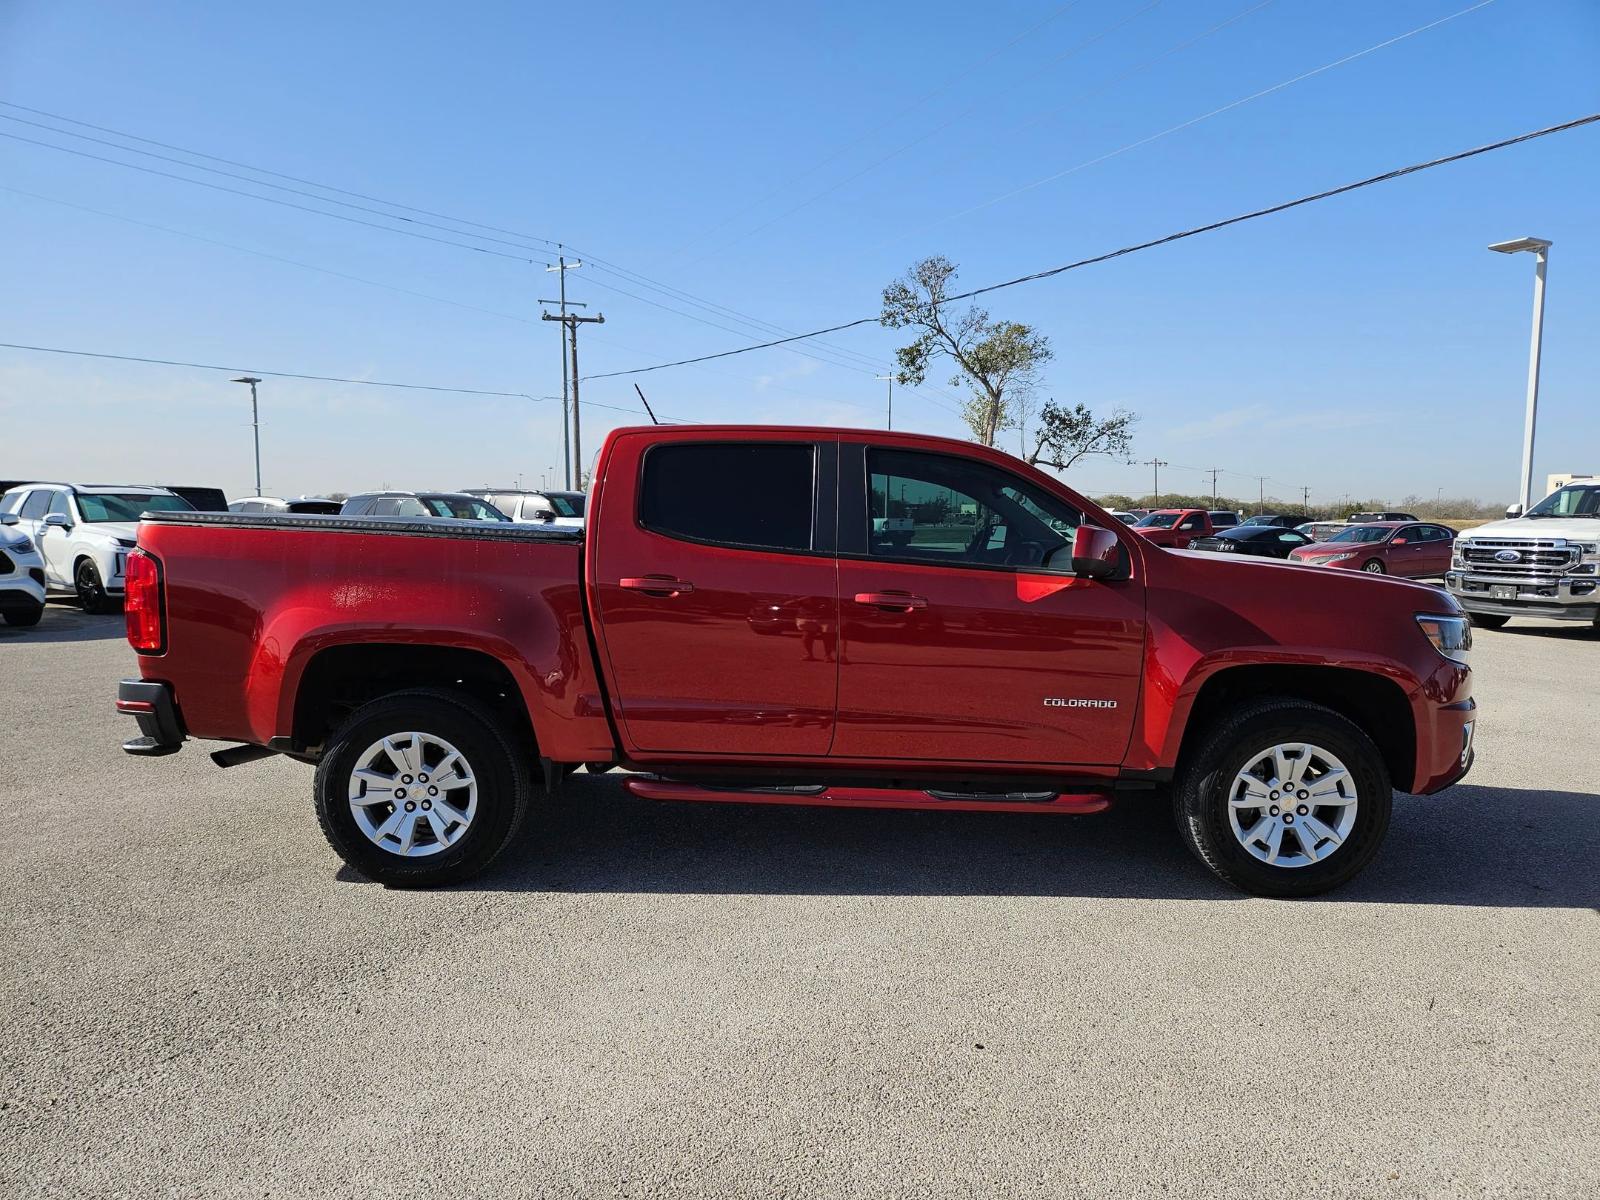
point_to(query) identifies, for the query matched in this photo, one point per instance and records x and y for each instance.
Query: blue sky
(785, 162)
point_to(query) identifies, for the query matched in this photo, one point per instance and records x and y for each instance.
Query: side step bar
(650, 788)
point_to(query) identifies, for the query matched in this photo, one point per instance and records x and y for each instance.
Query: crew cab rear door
(957, 643)
(713, 584)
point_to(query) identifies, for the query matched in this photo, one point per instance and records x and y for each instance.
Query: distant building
(1554, 482)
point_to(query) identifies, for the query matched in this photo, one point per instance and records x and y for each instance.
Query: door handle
(897, 601)
(657, 585)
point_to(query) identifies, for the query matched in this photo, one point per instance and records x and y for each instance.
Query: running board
(650, 788)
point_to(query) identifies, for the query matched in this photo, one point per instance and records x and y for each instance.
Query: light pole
(890, 380)
(1540, 249)
(255, 422)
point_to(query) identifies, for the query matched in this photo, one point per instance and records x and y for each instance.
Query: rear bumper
(153, 706)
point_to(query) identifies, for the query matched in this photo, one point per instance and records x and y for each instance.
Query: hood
(125, 531)
(1331, 549)
(1578, 529)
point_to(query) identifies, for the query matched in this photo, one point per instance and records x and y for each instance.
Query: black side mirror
(1096, 552)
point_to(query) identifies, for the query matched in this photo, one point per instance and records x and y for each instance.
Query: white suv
(84, 532)
(21, 575)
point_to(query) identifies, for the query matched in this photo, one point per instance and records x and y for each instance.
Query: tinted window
(12, 501)
(37, 503)
(941, 508)
(1224, 519)
(730, 493)
(60, 504)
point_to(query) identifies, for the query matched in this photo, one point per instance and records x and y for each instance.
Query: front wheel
(91, 591)
(24, 617)
(421, 788)
(1488, 620)
(1284, 798)
(1372, 566)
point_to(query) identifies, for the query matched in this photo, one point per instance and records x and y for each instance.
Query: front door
(717, 598)
(963, 636)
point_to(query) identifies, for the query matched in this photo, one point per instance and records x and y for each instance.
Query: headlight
(1451, 636)
(20, 544)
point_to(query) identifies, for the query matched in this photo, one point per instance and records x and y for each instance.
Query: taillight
(141, 602)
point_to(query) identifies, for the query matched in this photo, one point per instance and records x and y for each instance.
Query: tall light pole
(255, 422)
(561, 269)
(890, 380)
(1539, 247)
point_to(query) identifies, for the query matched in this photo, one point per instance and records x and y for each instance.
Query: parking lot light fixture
(1539, 248)
(255, 422)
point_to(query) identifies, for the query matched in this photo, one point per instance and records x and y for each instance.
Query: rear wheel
(1488, 620)
(1284, 798)
(1372, 566)
(91, 591)
(421, 788)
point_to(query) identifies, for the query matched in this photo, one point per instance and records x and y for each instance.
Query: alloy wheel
(413, 794)
(1292, 805)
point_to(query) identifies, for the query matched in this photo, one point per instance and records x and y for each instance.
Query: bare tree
(998, 361)
(1064, 435)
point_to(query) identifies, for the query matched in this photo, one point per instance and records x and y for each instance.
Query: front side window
(463, 508)
(37, 503)
(1362, 533)
(118, 506)
(946, 509)
(1569, 502)
(757, 495)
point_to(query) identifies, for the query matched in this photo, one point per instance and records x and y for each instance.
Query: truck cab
(1544, 563)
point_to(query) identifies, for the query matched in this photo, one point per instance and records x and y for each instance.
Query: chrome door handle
(657, 585)
(892, 601)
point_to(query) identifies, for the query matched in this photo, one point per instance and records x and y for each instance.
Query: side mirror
(59, 520)
(8, 518)
(1513, 512)
(1096, 553)
(1399, 541)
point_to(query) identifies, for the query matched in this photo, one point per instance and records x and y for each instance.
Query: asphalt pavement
(695, 1000)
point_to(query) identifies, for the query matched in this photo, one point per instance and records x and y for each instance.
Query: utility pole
(255, 422)
(890, 379)
(1305, 501)
(1261, 493)
(1214, 471)
(561, 268)
(1156, 464)
(572, 321)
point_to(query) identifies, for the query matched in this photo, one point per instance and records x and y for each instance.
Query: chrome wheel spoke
(1320, 820)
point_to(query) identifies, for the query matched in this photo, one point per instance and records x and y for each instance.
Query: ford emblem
(1507, 556)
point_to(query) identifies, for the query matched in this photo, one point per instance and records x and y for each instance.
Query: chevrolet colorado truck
(1024, 651)
(1545, 563)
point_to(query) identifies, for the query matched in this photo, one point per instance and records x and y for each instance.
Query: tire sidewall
(1207, 805)
(1373, 567)
(501, 788)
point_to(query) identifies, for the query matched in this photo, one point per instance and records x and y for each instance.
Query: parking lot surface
(655, 1000)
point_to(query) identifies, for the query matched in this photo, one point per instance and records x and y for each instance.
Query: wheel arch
(1375, 703)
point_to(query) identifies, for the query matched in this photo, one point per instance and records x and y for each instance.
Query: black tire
(1374, 566)
(1200, 795)
(504, 786)
(1488, 620)
(24, 617)
(91, 591)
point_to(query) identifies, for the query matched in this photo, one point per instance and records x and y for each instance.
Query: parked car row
(73, 539)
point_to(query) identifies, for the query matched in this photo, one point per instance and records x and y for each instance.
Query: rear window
(730, 493)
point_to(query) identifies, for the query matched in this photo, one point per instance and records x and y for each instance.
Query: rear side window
(731, 493)
(37, 502)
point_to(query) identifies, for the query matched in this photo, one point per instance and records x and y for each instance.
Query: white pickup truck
(1544, 563)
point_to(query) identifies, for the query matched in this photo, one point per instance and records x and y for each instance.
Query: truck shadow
(1467, 846)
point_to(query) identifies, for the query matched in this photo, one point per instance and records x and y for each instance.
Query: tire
(24, 617)
(1209, 776)
(91, 591)
(495, 802)
(1373, 566)
(1488, 620)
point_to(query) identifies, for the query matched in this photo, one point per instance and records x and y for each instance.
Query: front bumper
(153, 706)
(1557, 599)
(1448, 754)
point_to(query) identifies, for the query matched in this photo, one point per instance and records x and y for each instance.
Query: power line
(1145, 141)
(1397, 173)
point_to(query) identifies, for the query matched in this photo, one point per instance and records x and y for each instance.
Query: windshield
(1160, 520)
(1569, 502)
(566, 504)
(464, 508)
(122, 506)
(1363, 533)
(1259, 519)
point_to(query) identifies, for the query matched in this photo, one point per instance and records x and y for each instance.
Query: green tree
(998, 361)
(1064, 435)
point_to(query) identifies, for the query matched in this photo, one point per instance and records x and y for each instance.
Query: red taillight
(142, 603)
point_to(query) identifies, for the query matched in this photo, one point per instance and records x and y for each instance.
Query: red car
(1413, 549)
(1021, 651)
(1175, 527)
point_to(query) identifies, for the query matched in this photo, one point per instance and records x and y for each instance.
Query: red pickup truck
(1175, 527)
(1013, 648)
